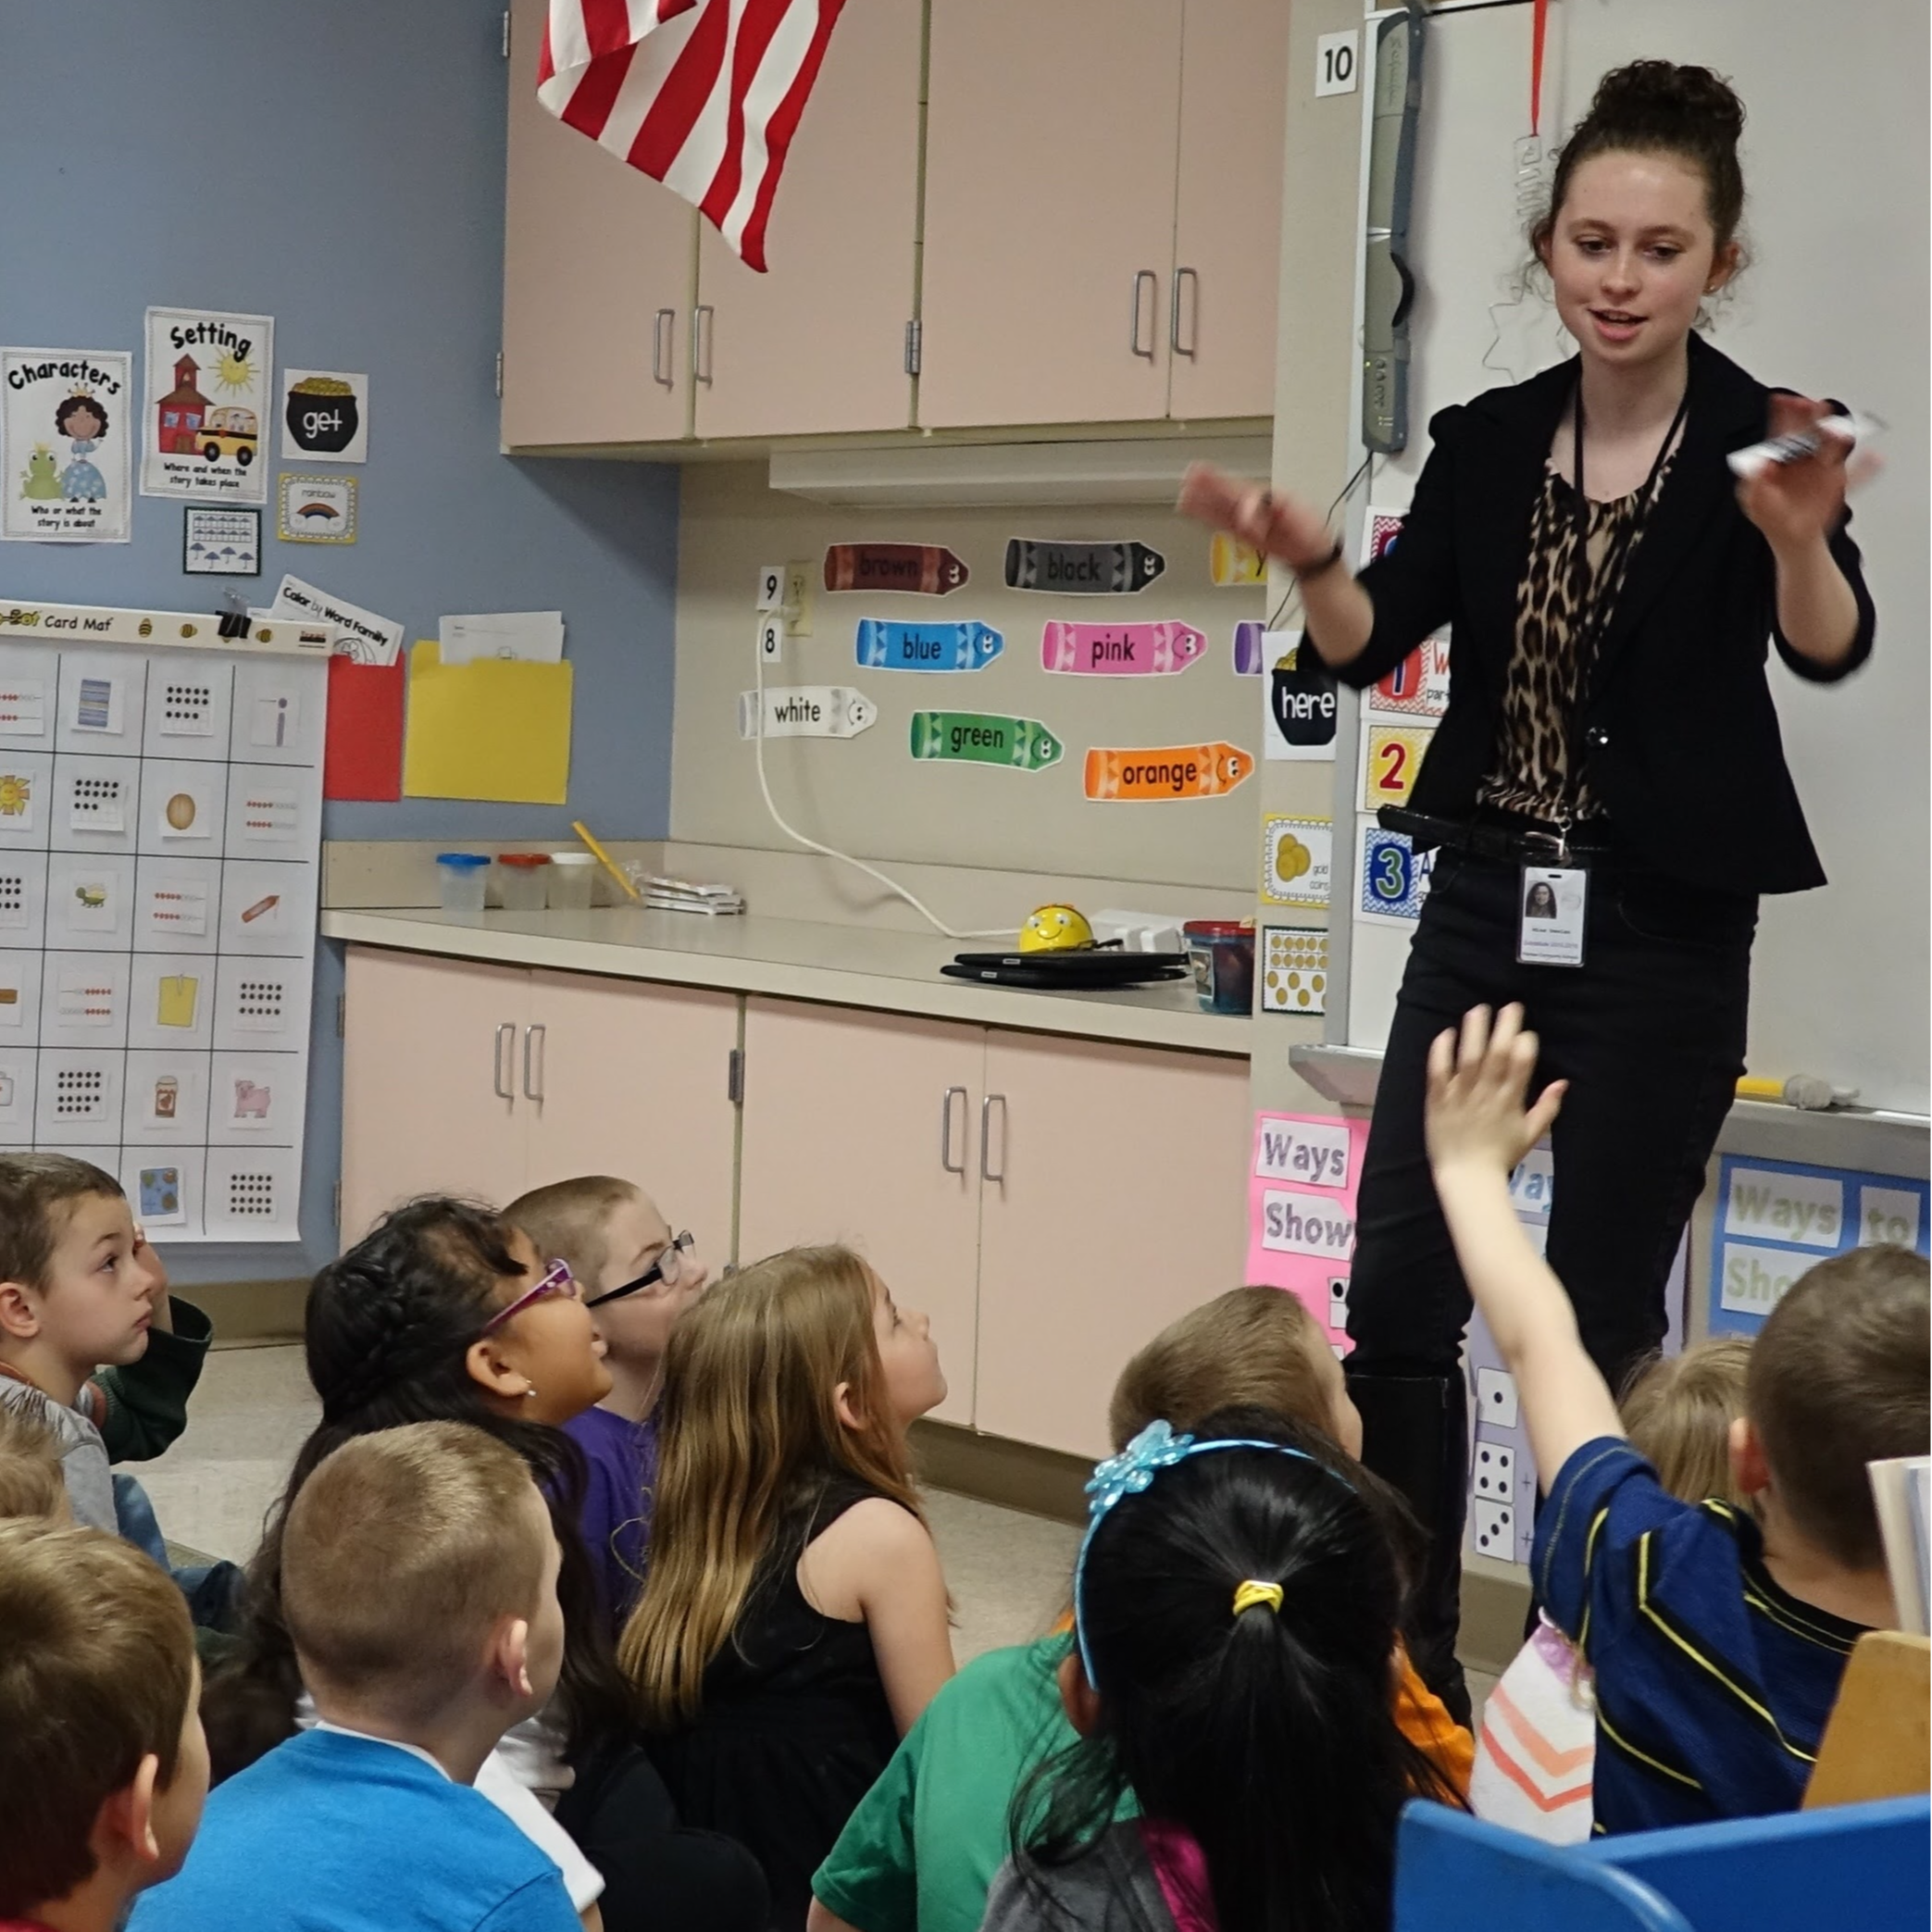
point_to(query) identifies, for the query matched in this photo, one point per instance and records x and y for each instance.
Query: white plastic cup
(572, 874)
(462, 882)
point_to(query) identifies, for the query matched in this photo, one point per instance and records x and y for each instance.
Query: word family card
(160, 846)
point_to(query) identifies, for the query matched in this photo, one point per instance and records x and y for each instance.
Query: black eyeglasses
(667, 1271)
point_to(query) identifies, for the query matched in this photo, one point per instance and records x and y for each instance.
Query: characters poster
(66, 420)
(207, 416)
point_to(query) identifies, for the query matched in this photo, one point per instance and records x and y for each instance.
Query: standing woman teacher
(1614, 593)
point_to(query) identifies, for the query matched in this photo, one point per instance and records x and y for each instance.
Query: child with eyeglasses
(444, 1312)
(637, 1278)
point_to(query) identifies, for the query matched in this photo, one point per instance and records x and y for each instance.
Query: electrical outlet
(797, 600)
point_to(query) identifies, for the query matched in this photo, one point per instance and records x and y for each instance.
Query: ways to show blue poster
(1776, 1219)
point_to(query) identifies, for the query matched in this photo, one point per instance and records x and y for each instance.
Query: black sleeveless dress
(795, 1727)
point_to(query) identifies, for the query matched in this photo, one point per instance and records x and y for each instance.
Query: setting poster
(206, 417)
(66, 420)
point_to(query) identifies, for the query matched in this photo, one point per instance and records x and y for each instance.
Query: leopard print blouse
(1531, 771)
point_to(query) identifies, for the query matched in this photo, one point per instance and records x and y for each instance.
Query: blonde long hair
(751, 1429)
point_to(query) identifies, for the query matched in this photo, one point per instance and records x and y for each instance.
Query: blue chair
(1861, 1866)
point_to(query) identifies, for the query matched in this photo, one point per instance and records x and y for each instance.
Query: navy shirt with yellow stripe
(1712, 1684)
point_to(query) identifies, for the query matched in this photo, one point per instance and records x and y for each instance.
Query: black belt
(1510, 844)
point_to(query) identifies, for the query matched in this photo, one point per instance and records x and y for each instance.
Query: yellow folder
(175, 1006)
(496, 729)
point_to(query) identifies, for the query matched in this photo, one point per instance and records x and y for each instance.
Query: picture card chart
(160, 845)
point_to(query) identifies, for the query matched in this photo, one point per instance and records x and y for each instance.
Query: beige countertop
(798, 959)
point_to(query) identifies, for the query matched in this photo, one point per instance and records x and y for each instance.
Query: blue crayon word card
(1776, 1219)
(883, 645)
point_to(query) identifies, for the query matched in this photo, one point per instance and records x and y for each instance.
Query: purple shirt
(622, 1456)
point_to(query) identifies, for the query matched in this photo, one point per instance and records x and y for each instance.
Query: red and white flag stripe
(703, 95)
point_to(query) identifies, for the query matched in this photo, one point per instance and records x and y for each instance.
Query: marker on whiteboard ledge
(1854, 428)
(1802, 1089)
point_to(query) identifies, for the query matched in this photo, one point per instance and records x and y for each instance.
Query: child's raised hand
(1476, 1087)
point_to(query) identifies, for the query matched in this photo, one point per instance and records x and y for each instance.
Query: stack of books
(684, 895)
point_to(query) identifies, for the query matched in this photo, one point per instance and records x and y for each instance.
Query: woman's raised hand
(1796, 504)
(1278, 527)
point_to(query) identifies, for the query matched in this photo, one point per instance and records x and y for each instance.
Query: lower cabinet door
(1113, 1202)
(863, 1128)
(429, 1095)
(632, 1080)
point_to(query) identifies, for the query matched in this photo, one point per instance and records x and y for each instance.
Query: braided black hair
(387, 1333)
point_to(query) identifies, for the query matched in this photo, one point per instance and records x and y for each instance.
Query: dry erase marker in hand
(1760, 457)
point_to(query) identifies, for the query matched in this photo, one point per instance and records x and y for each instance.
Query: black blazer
(1680, 738)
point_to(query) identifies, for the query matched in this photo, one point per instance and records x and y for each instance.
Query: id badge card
(1552, 910)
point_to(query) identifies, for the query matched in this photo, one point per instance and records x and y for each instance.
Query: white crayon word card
(1775, 1219)
(160, 845)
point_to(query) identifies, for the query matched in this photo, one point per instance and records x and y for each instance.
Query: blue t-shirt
(621, 1473)
(1712, 1684)
(348, 1832)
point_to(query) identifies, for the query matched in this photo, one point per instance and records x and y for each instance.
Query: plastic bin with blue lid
(462, 883)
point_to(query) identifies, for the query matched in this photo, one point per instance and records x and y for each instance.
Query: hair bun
(1652, 97)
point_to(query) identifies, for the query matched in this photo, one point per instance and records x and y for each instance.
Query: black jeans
(1650, 1033)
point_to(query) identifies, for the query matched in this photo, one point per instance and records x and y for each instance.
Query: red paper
(361, 755)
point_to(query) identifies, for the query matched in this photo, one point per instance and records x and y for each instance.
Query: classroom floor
(1008, 1572)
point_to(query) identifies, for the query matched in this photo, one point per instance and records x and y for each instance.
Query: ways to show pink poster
(1302, 1187)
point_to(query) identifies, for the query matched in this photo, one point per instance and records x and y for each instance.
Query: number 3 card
(1395, 877)
(1394, 756)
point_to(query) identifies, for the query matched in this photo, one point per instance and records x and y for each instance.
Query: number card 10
(1394, 755)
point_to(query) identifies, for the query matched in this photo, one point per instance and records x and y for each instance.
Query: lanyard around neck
(1649, 483)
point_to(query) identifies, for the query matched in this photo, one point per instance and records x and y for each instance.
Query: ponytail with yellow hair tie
(1247, 1595)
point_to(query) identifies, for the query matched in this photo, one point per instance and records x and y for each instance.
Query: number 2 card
(1392, 757)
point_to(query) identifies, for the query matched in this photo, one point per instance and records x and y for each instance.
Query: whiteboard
(1834, 302)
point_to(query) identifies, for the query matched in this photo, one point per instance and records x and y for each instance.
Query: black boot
(1415, 1436)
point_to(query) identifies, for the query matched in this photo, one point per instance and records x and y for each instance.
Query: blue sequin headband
(1154, 1449)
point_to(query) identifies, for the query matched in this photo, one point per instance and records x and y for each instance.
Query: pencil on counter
(603, 858)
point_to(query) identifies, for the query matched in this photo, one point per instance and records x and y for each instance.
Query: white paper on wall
(160, 839)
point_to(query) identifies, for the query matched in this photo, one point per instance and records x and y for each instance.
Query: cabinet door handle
(702, 317)
(498, 1077)
(946, 1160)
(986, 1107)
(661, 324)
(537, 1037)
(1154, 290)
(1188, 349)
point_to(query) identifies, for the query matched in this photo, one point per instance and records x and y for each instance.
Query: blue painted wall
(338, 165)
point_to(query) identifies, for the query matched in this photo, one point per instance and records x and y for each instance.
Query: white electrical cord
(831, 852)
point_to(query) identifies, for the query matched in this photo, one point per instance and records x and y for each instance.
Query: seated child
(925, 1843)
(140, 1407)
(74, 1294)
(1238, 1605)
(1539, 1726)
(1717, 1640)
(793, 1622)
(638, 1280)
(444, 1313)
(103, 1769)
(418, 1580)
(32, 1481)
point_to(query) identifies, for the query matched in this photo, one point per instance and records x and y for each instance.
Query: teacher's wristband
(1326, 564)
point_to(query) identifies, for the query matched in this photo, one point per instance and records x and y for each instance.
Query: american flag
(703, 95)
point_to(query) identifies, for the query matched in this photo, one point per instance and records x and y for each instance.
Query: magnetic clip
(231, 619)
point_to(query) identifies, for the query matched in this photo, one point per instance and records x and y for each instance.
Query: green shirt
(920, 1852)
(145, 1403)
